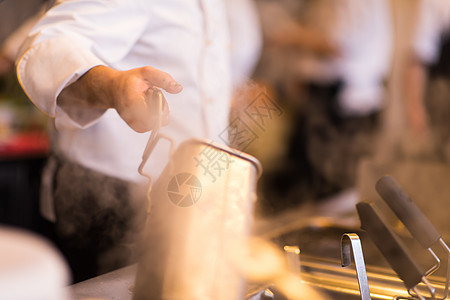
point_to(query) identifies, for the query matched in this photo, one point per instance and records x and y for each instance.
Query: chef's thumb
(162, 80)
(174, 87)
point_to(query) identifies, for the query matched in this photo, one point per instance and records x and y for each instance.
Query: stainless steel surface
(202, 207)
(265, 294)
(116, 285)
(293, 259)
(317, 233)
(322, 272)
(322, 269)
(350, 243)
(447, 279)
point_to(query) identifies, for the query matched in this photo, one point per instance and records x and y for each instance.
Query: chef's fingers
(161, 79)
(165, 113)
(157, 107)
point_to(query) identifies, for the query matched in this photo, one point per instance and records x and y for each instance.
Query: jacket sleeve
(71, 38)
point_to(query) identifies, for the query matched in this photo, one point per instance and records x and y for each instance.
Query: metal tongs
(390, 245)
(350, 242)
(157, 101)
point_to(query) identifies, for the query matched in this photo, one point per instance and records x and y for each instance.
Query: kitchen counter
(115, 285)
(317, 232)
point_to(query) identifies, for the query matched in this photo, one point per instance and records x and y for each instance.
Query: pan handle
(392, 248)
(406, 210)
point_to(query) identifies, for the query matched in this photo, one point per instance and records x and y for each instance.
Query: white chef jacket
(362, 31)
(432, 23)
(189, 39)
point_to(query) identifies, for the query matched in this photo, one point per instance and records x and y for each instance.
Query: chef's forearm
(93, 89)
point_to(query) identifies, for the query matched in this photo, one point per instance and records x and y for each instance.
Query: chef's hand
(129, 92)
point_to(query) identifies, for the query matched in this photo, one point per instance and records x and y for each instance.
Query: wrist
(101, 82)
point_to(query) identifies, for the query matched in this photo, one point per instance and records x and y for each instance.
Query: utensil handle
(350, 242)
(392, 248)
(406, 210)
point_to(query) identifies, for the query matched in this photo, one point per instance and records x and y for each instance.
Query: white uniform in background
(363, 33)
(433, 22)
(431, 49)
(335, 98)
(191, 40)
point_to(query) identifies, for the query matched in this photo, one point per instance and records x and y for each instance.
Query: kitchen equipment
(201, 209)
(275, 271)
(350, 242)
(415, 221)
(293, 258)
(157, 101)
(394, 250)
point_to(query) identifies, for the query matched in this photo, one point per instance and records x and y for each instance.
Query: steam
(94, 211)
(264, 263)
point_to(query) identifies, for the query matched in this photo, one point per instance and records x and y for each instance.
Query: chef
(337, 56)
(427, 81)
(93, 66)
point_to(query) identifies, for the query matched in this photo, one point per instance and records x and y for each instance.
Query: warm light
(292, 249)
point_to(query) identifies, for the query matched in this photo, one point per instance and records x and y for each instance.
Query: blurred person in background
(336, 56)
(92, 65)
(10, 45)
(427, 82)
